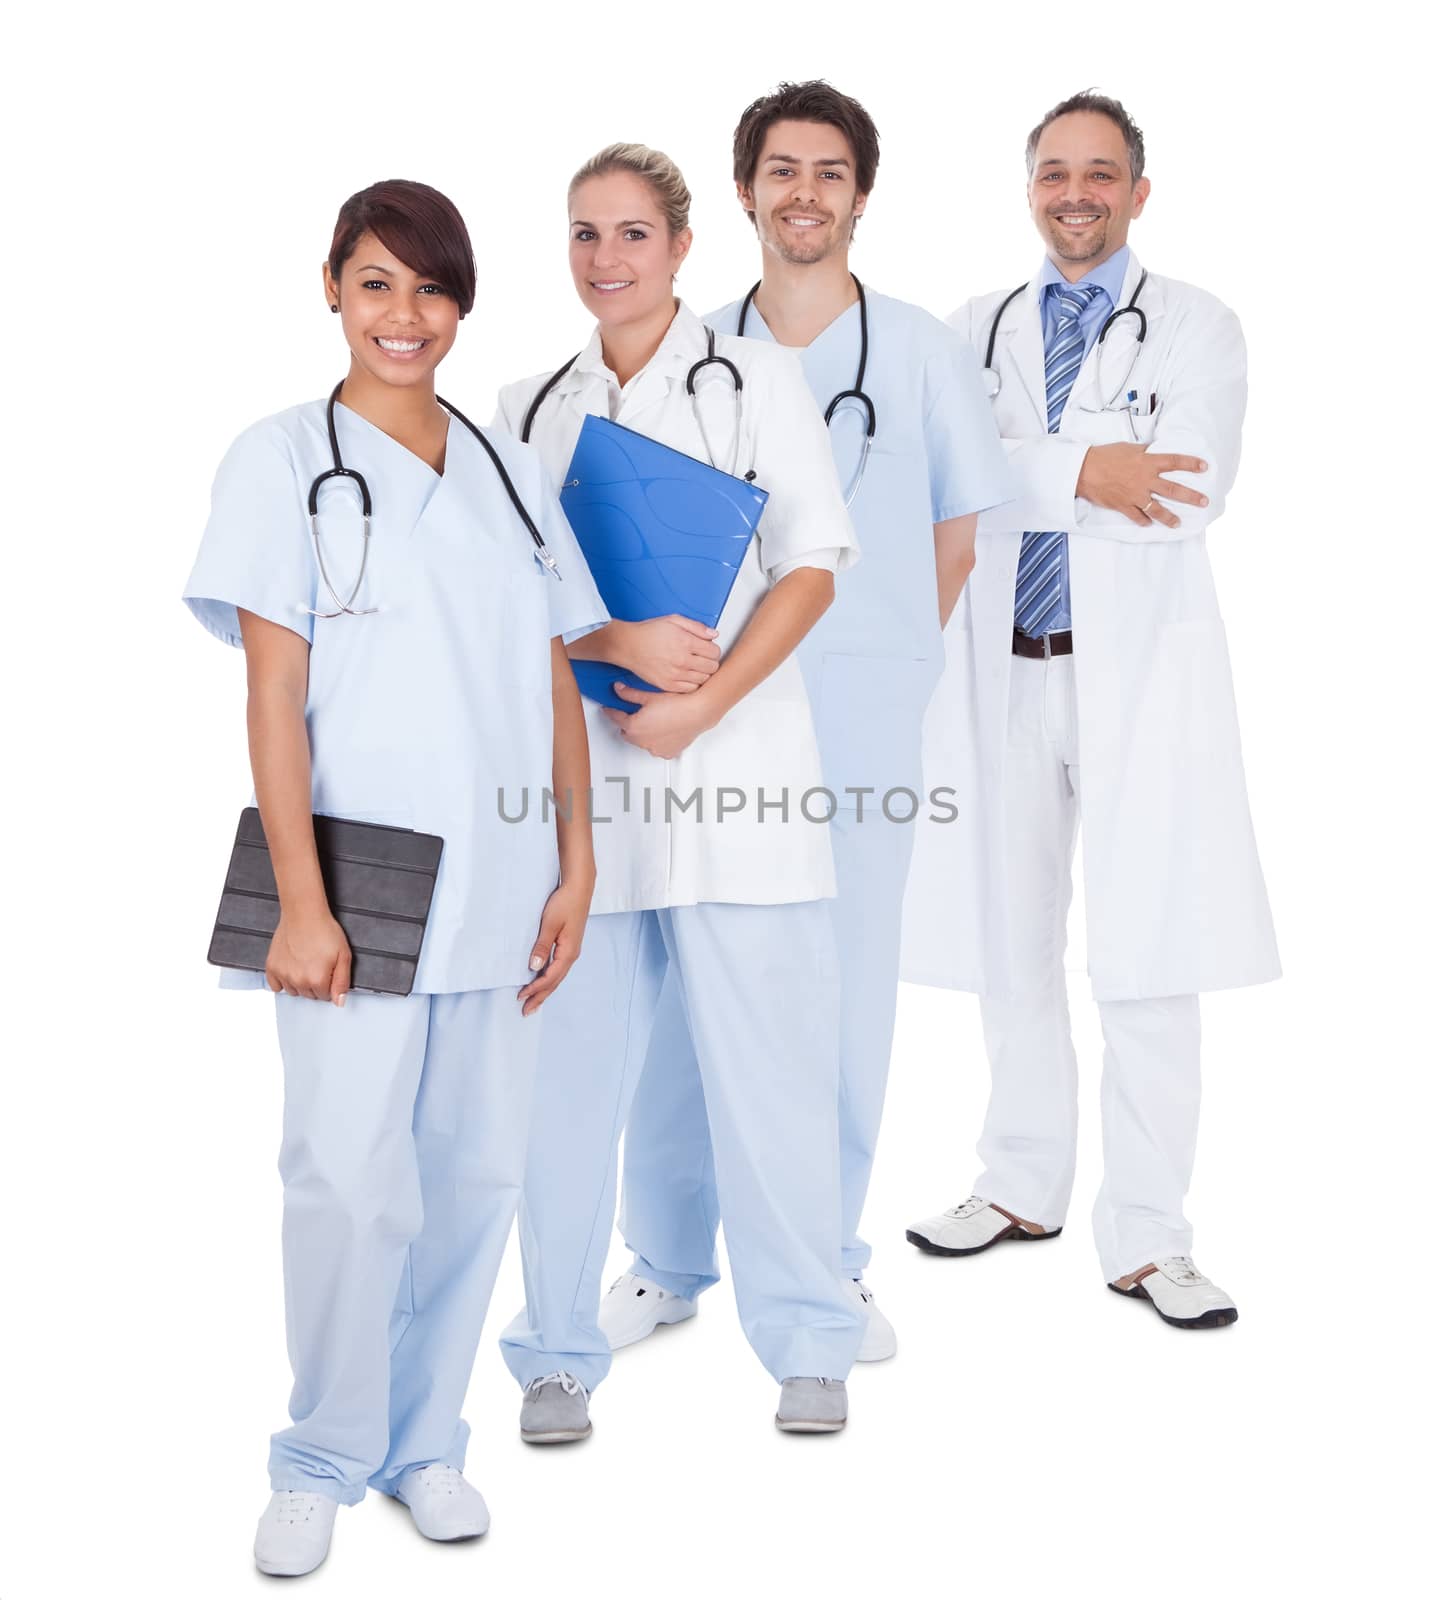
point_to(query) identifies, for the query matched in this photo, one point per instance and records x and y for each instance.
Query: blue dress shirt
(1109, 278)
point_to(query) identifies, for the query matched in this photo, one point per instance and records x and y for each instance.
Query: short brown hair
(1104, 106)
(419, 225)
(815, 101)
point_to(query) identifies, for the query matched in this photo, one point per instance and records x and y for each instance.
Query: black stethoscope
(856, 393)
(712, 359)
(992, 377)
(337, 470)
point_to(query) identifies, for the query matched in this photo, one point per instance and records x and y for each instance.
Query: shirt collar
(1108, 276)
(685, 341)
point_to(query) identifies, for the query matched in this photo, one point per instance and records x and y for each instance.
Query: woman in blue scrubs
(444, 684)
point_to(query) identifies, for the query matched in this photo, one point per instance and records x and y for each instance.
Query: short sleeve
(255, 553)
(968, 471)
(820, 560)
(805, 513)
(574, 605)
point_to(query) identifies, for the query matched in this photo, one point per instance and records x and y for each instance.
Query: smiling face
(804, 195)
(398, 324)
(1081, 194)
(622, 255)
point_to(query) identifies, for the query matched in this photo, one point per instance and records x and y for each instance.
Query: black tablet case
(379, 882)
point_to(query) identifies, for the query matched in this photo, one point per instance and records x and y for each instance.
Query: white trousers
(758, 987)
(1151, 1082)
(404, 1142)
(670, 1208)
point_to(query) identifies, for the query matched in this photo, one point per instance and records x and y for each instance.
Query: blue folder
(662, 533)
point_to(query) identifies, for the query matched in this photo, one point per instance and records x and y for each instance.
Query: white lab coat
(1174, 898)
(762, 758)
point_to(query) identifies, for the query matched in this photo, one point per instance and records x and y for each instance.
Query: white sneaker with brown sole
(1181, 1293)
(967, 1229)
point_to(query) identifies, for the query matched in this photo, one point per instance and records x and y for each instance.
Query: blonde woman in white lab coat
(732, 897)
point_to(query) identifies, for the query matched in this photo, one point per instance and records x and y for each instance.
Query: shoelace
(564, 1380)
(296, 1506)
(1184, 1269)
(438, 1478)
(969, 1208)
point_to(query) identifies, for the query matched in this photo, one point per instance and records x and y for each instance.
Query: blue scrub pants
(758, 994)
(404, 1143)
(670, 1204)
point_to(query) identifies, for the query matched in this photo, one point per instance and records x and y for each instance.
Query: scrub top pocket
(869, 714)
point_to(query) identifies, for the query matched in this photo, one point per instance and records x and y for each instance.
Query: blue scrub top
(873, 658)
(419, 715)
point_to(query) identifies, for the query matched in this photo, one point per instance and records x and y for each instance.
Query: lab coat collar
(685, 342)
(1024, 344)
(1024, 341)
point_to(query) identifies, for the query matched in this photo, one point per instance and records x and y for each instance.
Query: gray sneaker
(555, 1410)
(812, 1405)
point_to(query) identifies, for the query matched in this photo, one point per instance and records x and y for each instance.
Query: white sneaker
(635, 1306)
(444, 1505)
(968, 1229)
(1182, 1294)
(295, 1533)
(879, 1342)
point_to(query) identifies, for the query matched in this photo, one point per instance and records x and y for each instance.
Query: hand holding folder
(661, 532)
(674, 652)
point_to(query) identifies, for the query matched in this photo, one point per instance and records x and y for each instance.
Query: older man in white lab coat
(1090, 689)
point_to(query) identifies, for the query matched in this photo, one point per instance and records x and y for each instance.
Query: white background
(171, 181)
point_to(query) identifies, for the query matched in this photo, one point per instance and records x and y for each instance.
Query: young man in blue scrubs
(804, 164)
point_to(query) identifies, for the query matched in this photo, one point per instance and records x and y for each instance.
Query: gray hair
(1102, 105)
(656, 170)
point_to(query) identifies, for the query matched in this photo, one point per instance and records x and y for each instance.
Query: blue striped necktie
(1040, 580)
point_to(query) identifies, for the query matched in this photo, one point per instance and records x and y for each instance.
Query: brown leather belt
(1041, 649)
